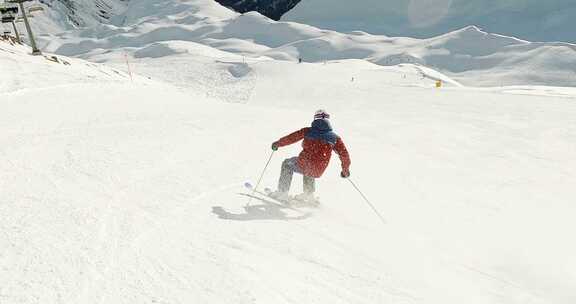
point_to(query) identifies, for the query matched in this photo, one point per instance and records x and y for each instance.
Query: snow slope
(469, 55)
(81, 13)
(21, 72)
(234, 78)
(120, 192)
(62, 15)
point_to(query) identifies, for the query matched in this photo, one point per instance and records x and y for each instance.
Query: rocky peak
(273, 9)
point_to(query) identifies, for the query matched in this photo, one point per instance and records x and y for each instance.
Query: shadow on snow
(268, 210)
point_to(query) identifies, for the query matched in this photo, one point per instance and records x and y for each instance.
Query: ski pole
(261, 176)
(367, 201)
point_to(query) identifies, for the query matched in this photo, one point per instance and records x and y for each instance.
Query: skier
(319, 141)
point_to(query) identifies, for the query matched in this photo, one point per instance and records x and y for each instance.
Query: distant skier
(319, 141)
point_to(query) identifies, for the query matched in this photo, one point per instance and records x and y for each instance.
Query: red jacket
(319, 141)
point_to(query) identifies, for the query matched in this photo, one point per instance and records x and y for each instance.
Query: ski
(291, 203)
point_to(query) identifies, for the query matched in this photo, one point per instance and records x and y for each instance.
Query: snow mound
(483, 59)
(239, 70)
(170, 48)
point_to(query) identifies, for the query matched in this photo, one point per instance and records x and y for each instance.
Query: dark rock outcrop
(273, 9)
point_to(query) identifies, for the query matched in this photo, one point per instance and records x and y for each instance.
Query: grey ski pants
(289, 166)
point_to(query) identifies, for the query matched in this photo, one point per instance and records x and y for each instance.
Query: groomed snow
(115, 191)
(22, 72)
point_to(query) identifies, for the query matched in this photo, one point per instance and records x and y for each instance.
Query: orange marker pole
(128, 65)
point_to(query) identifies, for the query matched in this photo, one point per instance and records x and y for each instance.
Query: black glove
(345, 174)
(275, 146)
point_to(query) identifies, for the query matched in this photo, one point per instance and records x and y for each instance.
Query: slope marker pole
(128, 64)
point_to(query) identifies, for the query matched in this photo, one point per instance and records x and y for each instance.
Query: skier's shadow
(268, 210)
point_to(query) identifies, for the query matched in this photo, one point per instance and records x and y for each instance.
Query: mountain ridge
(469, 55)
(533, 20)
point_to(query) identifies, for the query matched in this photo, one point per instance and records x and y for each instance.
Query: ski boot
(305, 199)
(280, 196)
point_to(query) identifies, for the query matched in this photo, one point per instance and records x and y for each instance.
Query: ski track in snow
(107, 207)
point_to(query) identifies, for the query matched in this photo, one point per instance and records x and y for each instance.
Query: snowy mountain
(273, 9)
(533, 20)
(82, 13)
(470, 55)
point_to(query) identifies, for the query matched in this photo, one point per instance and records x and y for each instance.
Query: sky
(534, 20)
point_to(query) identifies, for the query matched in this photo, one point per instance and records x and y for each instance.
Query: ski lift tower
(35, 50)
(8, 14)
